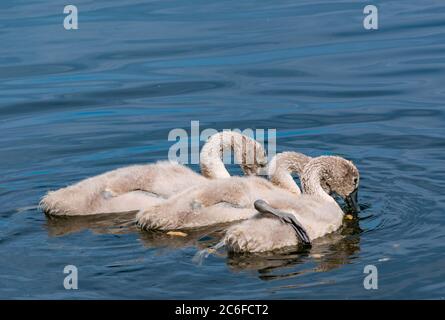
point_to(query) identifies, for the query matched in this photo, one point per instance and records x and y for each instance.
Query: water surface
(78, 103)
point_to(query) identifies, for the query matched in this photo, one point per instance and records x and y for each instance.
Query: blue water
(78, 103)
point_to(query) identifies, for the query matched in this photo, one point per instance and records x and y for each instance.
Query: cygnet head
(257, 164)
(336, 175)
(248, 153)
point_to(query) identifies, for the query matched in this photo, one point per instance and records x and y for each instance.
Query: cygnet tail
(75, 199)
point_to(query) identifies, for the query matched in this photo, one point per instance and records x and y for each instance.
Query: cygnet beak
(352, 201)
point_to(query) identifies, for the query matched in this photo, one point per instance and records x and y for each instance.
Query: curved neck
(283, 165)
(244, 150)
(311, 181)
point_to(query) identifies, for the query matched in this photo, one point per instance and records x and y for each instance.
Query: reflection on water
(199, 239)
(329, 252)
(114, 223)
(125, 223)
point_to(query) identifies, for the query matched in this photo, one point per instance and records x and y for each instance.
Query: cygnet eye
(355, 181)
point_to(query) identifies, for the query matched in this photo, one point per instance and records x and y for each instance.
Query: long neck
(283, 165)
(311, 181)
(212, 153)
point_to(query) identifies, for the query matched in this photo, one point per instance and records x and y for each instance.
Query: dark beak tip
(352, 201)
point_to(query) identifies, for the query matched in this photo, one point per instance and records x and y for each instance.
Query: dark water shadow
(125, 223)
(111, 223)
(201, 238)
(329, 252)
